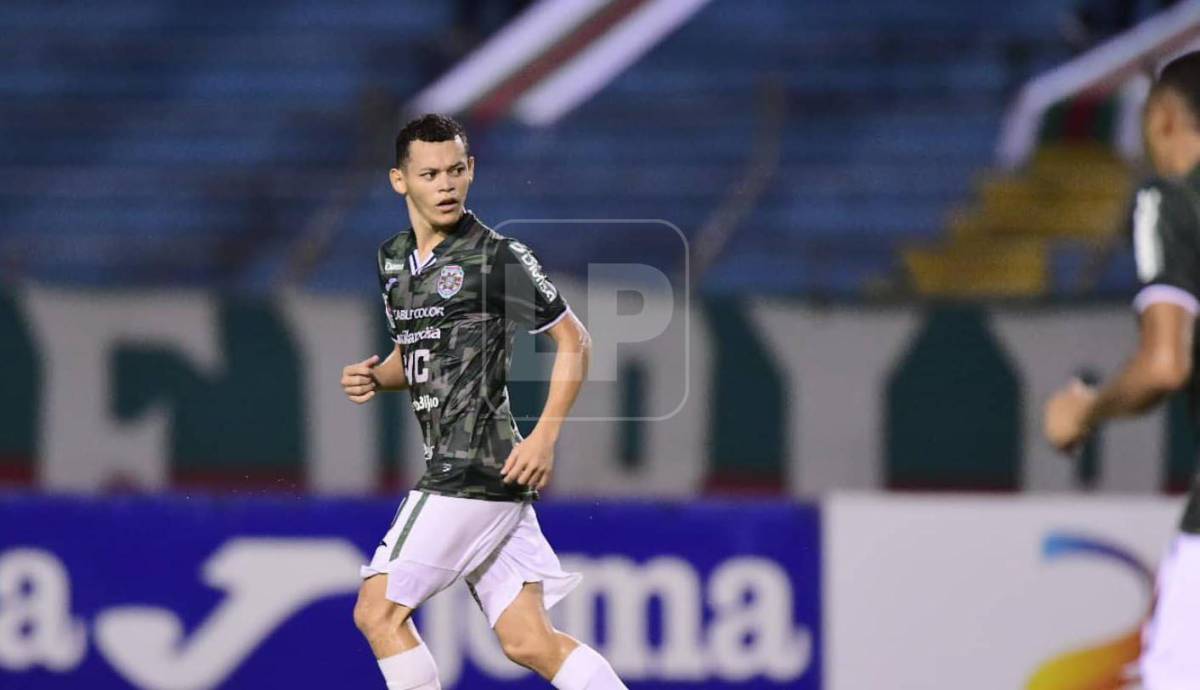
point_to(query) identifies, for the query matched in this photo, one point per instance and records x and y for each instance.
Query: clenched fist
(358, 380)
(1065, 418)
(531, 462)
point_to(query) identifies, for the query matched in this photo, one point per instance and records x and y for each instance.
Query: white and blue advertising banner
(990, 592)
(191, 593)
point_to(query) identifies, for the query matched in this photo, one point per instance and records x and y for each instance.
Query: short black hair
(432, 127)
(1182, 75)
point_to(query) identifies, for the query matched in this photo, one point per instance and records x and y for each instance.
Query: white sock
(410, 670)
(585, 669)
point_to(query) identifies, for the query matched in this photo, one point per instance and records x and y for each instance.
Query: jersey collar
(461, 232)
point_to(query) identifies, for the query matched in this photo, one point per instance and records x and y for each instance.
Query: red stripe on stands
(950, 488)
(497, 102)
(1178, 486)
(744, 483)
(1078, 121)
(230, 480)
(16, 470)
(393, 479)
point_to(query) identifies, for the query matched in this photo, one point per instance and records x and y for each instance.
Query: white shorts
(1171, 640)
(496, 546)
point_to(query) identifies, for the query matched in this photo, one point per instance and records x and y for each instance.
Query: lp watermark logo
(628, 282)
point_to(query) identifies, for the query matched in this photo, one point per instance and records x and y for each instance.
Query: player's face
(435, 180)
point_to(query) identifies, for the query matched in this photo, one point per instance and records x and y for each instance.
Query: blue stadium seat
(154, 125)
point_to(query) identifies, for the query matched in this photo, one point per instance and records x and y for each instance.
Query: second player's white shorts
(496, 546)
(1171, 640)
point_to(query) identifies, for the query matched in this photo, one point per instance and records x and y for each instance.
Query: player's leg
(403, 658)
(514, 587)
(432, 540)
(1169, 659)
(528, 639)
(385, 624)
(389, 593)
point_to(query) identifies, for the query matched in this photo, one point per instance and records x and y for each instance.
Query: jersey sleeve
(385, 287)
(1166, 247)
(519, 289)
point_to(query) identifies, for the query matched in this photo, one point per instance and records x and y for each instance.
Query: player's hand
(359, 381)
(531, 462)
(1065, 419)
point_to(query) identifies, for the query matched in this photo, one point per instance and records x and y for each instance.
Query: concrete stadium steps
(1021, 209)
(991, 267)
(1070, 197)
(1067, 192)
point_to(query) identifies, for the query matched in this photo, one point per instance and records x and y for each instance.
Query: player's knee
(374, 616)
(366, 616)
(531, 651)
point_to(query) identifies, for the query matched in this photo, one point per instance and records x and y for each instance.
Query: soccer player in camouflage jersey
(454, 293)
(1166, 242)
(482, 285)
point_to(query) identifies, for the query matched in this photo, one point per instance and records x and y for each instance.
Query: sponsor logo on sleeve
(536, 274)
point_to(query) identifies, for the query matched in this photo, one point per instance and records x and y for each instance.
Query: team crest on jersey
(450, 281)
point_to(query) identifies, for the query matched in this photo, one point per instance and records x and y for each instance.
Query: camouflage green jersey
(454, 316)
(1165, 225)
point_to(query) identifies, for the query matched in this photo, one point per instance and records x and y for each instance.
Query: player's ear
(398, 183)
(470, 168)
(1154, 119)
(1173, 116)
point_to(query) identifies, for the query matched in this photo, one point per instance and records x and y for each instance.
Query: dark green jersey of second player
(454, 316)
(1166, 244)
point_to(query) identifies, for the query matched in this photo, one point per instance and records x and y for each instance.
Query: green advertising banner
(124, 391)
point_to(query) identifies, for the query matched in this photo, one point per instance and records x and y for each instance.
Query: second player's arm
(1161, 365)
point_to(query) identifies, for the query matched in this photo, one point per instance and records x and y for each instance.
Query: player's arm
(532, 462)
(364, 379)
(1161, 365)
(1165, 235)
(389, 374)
(520, 290)
(573, 352)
